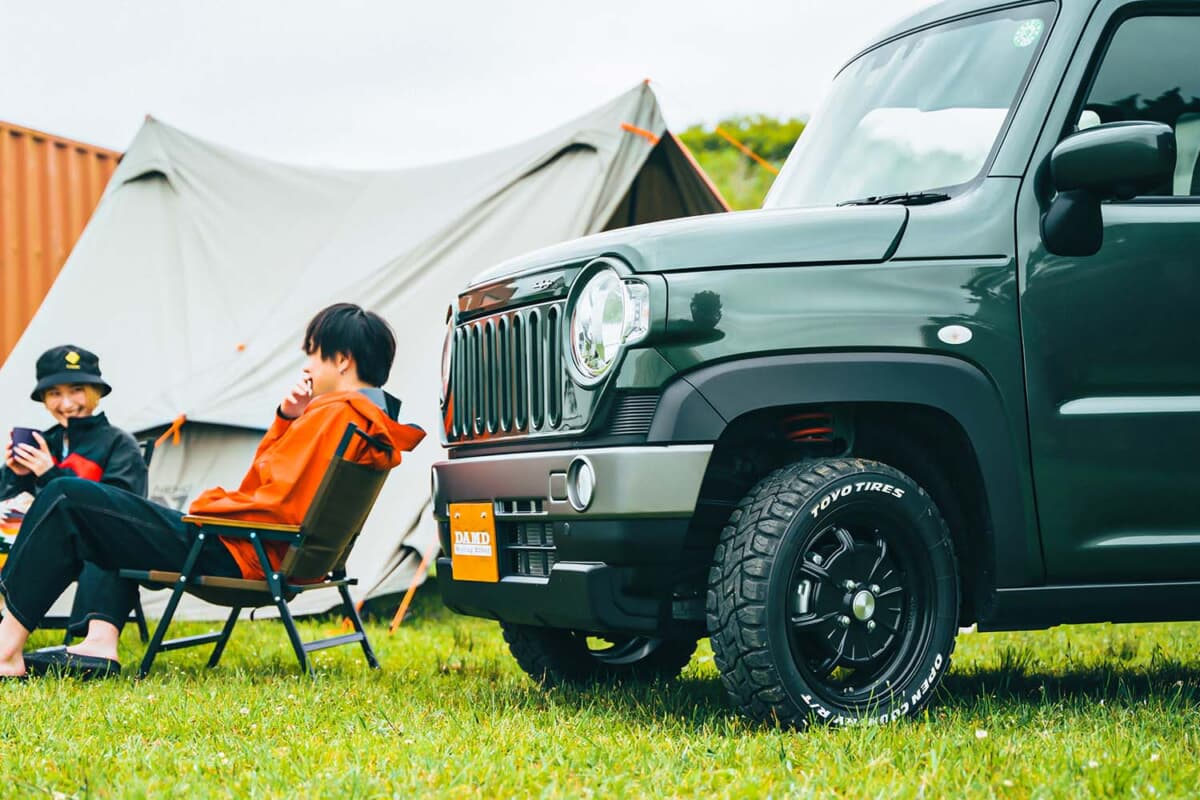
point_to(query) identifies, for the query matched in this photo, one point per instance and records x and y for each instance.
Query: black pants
(74, 522)
(100, 594)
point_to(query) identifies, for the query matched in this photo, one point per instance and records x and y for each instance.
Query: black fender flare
(698, 405)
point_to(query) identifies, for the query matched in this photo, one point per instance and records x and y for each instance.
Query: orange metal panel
(49, 187)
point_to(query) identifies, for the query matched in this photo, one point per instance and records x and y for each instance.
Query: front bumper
(631, 482)
(610, 567)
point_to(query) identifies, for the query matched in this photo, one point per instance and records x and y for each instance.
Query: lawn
(1091, 711)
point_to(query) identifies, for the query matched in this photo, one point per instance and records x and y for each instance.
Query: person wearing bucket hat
(82, 444)
(66, 366)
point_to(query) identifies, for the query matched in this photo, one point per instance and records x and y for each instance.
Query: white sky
(375, 84)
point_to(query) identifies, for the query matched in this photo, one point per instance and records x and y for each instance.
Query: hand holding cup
(28, 452)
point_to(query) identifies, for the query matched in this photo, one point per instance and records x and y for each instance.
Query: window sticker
(1028, 32)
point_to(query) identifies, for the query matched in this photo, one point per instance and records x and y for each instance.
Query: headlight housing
(607, 313)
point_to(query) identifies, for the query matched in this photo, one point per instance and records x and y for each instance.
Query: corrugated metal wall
(49, 187)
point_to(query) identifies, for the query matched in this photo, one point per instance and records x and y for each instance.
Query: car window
(1151, 72)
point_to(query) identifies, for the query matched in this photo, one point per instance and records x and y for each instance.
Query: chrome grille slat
(478, 391)
(456, 384)
(503, 375)
(553, 369)
(488, 339)
(507, 374)
(537, 398)
(521, 376)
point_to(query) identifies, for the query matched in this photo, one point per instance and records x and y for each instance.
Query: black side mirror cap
(1118, 160)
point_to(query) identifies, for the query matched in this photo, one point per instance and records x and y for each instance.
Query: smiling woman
(82, 444)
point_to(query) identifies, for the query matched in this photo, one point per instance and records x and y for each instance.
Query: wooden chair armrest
(225, 522)
(242, 528)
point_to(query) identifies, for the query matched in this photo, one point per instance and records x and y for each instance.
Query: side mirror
(1116, 160)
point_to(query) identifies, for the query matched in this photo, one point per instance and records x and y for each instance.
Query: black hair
(347, 329)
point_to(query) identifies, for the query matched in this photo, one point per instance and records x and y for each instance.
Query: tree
(742, 180)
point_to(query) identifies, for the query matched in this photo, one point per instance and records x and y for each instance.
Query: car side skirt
(1046, 606)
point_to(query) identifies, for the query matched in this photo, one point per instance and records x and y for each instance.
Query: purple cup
(25, 436)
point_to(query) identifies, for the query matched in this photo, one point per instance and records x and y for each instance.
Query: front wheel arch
(711, 403)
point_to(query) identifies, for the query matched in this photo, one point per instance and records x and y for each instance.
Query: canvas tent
(201, 266)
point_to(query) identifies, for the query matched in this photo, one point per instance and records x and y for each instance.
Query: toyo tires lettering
(854, 488)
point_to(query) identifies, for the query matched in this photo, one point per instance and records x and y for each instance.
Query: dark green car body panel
(1093, 362)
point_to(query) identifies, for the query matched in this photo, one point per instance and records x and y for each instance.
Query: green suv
(950, 375)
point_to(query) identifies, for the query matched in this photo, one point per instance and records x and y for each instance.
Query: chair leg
(285, 616)
(356, 621)
(226, 632)
(139, 616)
(160, 630)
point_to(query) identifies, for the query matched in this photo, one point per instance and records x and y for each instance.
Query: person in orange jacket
(73, 521)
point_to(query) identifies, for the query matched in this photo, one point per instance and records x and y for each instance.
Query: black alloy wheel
(554, 656)
(833, 596)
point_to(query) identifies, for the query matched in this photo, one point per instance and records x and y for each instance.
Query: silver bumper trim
(631, 482)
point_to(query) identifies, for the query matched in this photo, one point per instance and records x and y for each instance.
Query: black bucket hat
(68, 364)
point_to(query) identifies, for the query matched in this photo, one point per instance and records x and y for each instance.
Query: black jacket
(98, 451)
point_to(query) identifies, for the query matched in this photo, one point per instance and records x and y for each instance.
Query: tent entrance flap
(662, 189)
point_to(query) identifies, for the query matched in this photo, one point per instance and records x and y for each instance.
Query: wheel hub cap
(863, 605)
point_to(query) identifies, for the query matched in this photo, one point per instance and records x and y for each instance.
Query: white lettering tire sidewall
(914, 690)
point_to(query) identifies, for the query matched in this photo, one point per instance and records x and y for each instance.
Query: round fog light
(581, 484)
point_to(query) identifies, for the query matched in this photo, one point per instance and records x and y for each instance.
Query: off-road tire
(775, 615)
(553, 656)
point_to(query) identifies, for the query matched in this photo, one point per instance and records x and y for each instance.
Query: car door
(1112, 340)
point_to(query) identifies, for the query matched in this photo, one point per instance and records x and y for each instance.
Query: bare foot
(94, 649)
(13, 666)
(100, 642)
(12, 641)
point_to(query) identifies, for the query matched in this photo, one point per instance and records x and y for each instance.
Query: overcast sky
(375, 84)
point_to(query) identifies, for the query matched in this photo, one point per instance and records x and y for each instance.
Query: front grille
(506, 374)
(530, 548)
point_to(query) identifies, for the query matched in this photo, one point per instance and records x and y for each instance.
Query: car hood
(854, 234)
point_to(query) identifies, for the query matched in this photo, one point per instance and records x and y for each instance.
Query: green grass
(1094, 711)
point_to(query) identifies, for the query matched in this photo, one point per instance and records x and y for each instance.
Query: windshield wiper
(903, 199)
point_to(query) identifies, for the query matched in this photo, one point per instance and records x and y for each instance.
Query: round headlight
(598, 323)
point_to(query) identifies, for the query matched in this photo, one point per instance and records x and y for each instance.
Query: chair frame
(276, 589)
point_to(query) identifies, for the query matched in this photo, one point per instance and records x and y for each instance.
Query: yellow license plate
(473, 542)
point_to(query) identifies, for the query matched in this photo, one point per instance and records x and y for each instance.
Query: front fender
(697, 407)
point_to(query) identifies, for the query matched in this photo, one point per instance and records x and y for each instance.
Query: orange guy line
(767, 165)
(408, 596)
(172, 432)
(645, 134)
(690, 156)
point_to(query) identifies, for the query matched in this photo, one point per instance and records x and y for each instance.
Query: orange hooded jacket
(289, 465)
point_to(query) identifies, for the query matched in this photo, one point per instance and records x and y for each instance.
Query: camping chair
(316, 559)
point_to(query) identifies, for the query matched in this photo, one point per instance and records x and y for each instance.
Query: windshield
(919, 113)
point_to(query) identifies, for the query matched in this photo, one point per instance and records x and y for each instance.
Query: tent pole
(408, 596)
